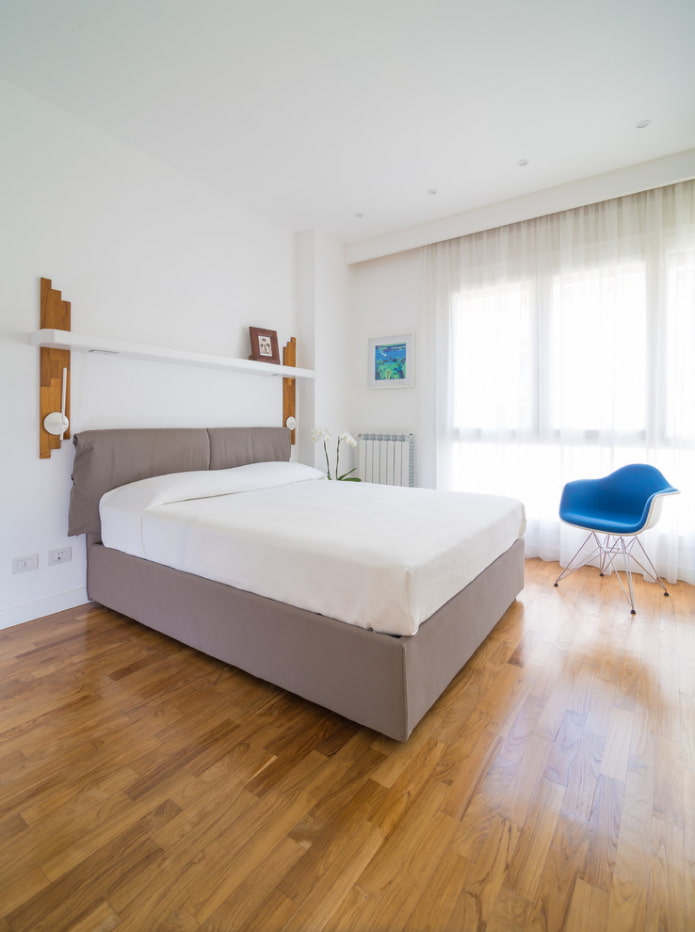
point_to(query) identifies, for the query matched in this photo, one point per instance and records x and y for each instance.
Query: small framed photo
(392, 362)
(264, 345)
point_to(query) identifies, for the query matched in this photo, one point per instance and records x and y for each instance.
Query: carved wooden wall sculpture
(55, 315)
(289, 386)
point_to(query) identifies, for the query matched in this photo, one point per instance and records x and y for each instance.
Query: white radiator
(387, 459)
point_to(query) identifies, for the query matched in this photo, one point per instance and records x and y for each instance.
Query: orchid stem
(328, 465)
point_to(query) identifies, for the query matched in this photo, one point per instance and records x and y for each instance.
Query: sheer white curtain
(565, 348)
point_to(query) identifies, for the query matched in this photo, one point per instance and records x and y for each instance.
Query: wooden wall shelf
(68, 340)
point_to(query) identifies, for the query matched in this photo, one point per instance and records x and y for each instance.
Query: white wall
(145, 255)
(386, 299)
(322, 285)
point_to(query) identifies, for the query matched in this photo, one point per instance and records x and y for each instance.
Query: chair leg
(626, 554)
(650, 569)
(607, 554)
(576, 563)
(612, 547)
(608, 550)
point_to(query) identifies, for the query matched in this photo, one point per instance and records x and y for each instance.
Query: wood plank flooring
(145, 787)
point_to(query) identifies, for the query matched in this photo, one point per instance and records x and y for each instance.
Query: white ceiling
(313, 111)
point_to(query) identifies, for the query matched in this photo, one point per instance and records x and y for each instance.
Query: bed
(385, 679)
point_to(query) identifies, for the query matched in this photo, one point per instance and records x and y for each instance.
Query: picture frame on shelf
(264, 345)
(392, 362)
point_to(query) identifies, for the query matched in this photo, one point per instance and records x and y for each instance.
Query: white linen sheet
(381, 557)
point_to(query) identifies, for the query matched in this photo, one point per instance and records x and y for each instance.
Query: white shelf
(80, 342)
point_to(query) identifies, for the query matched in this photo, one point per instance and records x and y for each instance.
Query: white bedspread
(380, 557)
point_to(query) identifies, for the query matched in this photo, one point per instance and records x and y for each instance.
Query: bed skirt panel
(385, 683)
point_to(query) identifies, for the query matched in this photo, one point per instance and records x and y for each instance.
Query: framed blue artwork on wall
(392, 362)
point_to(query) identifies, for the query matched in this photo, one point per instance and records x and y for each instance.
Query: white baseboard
(18, 614)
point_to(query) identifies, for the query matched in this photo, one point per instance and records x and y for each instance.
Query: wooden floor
(146, 787)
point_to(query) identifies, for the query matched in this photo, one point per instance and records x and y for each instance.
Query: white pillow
(121, 509)
(183, 486)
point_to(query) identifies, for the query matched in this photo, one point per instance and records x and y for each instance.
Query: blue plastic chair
(615, 510)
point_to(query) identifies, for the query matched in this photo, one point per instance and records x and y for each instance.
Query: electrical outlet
(63, 555)
(25, 564)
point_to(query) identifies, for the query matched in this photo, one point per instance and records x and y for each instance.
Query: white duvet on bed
(380, 557)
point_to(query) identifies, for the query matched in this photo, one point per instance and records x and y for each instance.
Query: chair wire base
(608, 550)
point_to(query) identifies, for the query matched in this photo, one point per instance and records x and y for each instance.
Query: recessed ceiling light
(431, 190)
(522, 162)
(642, 124)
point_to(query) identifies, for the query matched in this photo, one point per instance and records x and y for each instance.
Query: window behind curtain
(537, 361)
(679, 349)
(572, 352)
(493, 345)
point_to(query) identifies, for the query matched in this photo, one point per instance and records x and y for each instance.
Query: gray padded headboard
(105, 459)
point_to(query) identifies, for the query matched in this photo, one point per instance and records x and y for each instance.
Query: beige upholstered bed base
(383, 682)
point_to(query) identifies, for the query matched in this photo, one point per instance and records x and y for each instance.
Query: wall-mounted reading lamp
(56, 422)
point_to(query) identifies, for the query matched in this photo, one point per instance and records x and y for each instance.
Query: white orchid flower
(322, 435)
